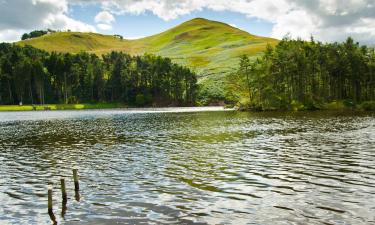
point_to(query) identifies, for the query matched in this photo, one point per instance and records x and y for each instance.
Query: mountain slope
(206, 46)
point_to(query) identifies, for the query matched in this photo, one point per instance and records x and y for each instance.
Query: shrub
(296, 105)
(335, 105)
(368, 106)
(140, 100)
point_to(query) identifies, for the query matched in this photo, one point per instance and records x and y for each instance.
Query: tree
(245, 70)
(25, 36)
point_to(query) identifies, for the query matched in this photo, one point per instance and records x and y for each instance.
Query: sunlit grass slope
(208, 47)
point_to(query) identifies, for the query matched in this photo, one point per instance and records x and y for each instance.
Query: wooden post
(75, 177)
(63, 190)
(64, 197)
(50, 206)
(50, 209)
(77, 196)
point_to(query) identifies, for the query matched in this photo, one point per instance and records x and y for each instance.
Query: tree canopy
(306, 75)
(34, 76)
(35, 33)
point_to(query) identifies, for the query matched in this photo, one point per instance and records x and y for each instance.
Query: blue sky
(326, 20)
(145, 24)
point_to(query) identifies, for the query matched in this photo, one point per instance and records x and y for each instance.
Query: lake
(185, 166)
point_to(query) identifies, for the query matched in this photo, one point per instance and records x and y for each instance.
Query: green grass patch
(335, 105)
(61, 107)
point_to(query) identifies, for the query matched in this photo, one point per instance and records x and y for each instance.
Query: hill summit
(208, 47)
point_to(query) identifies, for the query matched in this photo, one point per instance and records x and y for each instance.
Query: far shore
(53, 107)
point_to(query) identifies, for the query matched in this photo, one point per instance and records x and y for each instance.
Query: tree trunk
(65, 90)
(248, 83)
(10, 93)
(31, 94)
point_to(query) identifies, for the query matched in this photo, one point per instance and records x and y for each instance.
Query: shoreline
(64, 107)
(118, 106)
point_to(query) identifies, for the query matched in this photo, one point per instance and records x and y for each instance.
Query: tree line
(34, 76)
(305, 74)
(36, 33)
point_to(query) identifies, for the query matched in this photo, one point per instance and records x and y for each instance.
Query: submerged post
(50, 206)
(75, 177)
(77, 196)
(50, 209)
(64, 197)
(63, 190)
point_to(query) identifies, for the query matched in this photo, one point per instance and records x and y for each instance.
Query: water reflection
(189, 168)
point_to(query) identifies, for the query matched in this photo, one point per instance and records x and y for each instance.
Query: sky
(326, 20)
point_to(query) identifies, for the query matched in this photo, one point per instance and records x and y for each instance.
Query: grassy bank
(297, 106)
(61, 107)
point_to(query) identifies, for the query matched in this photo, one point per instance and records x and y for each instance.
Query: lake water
(156, 167)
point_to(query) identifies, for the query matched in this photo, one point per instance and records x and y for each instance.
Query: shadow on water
(52, 217)
(63, 208)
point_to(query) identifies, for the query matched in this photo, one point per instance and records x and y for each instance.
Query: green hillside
(207, 47)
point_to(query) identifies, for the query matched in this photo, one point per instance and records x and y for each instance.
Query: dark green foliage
(33, 76)
(25, 36)
(301, 75)
(35, 33)
(211, 92)
(368, 106)
(119, 36)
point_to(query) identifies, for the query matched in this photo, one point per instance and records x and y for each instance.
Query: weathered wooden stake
(75, 177)
(77, 196)
(50, 209)
(63, 190)
(50, 206)
(63, 209)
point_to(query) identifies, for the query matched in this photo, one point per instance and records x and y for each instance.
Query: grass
(207, 47)
(61, 107)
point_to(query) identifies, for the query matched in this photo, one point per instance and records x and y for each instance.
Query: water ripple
(189, 168)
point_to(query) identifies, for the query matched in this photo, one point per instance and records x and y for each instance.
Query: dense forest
(300, 74)
(33, 76)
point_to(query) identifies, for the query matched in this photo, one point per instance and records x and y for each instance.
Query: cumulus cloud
(103, 26)
(104, 17)
(104, 20)
(9, 35)
(19, 16)
(327, 20)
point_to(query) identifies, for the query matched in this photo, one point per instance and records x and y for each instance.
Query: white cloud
(104, 17)
(104, 20)
(10, 35)
(297, 24)
(103, 26)
(19, 16)
(327, 20)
